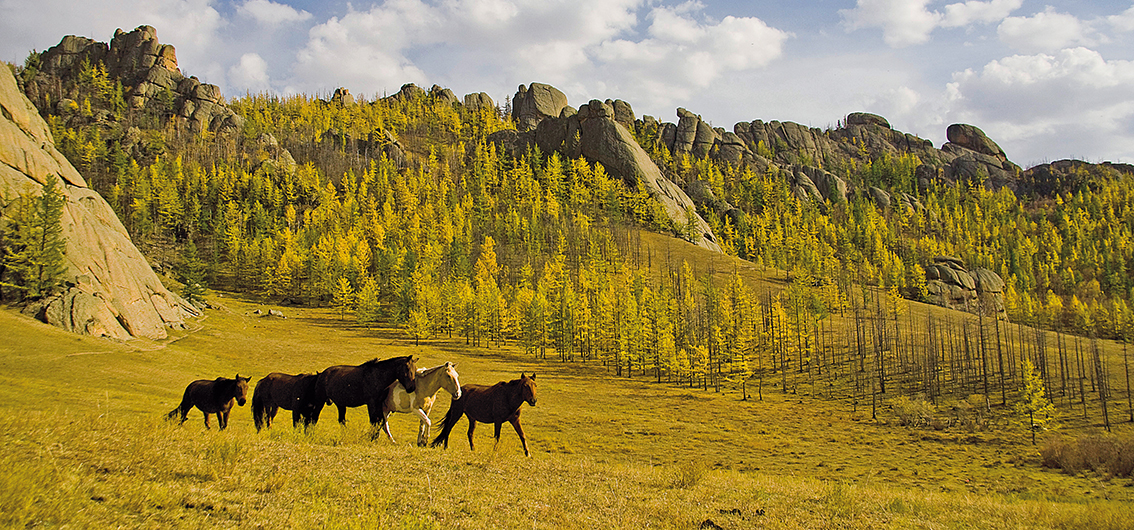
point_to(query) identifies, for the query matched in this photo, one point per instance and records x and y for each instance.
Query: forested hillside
(401, 210)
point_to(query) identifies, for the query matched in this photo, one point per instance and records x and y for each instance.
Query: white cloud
(250, 74)
(909, 22)
(903, 22)
(1046, 31)
(1123, 21)
(587, 48)
(966, 13)
(1070, 103)
(269, 13)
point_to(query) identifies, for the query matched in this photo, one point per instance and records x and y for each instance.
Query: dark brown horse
(212, 397)
(494, 404)
(289, 392)
(365, 384)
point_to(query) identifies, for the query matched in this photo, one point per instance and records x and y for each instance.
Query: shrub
(1107, 455)
(913, 412)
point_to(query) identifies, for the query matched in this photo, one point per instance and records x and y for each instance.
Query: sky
(1046, 80)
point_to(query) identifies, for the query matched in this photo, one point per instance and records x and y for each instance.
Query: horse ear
(532, 377)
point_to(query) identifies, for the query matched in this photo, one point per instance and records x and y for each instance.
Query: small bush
(1107, 455)
(689, 474)
(913, 413)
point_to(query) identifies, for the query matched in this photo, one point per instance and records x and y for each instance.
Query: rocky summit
(147, 70)
(110, 289)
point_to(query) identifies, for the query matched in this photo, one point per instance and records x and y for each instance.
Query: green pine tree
(33, 258)
(192, 272)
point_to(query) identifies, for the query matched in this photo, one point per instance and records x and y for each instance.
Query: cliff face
(110, 290)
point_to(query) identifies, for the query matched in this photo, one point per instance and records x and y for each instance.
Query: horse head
(527, 390)
(407, 374)
(452, 380)
(241, 389)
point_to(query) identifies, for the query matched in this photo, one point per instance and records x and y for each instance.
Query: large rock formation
(595, 133)
(148, 72)
(535, 102)
(110, 288)
(953, 286)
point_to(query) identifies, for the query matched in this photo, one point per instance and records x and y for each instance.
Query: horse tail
(456, 409)
(258, 410)
(183, 407)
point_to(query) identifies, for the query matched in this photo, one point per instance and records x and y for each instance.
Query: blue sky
(1046, 80)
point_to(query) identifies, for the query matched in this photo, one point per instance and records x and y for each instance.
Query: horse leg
(342, 413)
(295, 416)
(472, 427)
(207, 420)
(520, 431)
(222, 419)
(423, 427)
(386, 426)
(496, 434)
(271, 414)
(375, 412)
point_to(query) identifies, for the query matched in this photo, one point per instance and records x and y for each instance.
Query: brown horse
(212, 397)
(366, 384)
(494, 404)
(289, 392)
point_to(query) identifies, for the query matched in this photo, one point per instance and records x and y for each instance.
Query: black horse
(289, 392)
(494, 404)
(212, 397)
(365, 384)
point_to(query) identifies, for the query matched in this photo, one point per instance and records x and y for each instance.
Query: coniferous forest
(398, 211)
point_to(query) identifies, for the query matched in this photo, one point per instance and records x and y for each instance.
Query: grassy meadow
(85, 444)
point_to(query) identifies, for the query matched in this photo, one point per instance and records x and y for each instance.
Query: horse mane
(428, 371)
(375, 363)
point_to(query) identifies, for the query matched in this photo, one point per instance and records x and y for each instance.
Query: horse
(420, 401)
(289, 392)
(494, 404)
(365, 384)
(212, 397)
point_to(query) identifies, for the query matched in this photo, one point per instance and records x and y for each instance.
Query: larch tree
(343, 296)
(1033, 403)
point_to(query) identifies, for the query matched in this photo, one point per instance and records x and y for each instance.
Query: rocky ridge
(110, 289)
(148, 72)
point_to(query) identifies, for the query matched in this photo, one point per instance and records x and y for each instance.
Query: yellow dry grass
(85, 445)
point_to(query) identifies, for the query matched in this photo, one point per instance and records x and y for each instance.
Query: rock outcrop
(148, 72)
(595, 133)
(953, 286)
(969, 156)
(110, 288)
(534, 103)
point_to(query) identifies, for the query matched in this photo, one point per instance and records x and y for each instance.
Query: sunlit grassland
(85, 444)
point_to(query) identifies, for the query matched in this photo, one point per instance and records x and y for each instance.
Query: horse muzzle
(531, 402)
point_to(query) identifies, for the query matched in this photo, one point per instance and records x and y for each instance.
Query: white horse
(429, 381)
